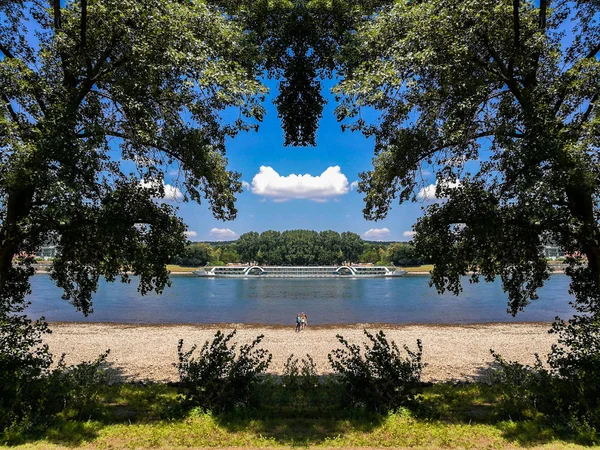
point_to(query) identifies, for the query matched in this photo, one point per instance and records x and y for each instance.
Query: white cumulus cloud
(171, 192)
(354, 185)
(223, 234)
(191, 234)
(377, 234)
(331, 183)
(428, 192)
(409, 234)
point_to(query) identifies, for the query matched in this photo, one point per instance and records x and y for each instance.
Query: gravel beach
(147, 352)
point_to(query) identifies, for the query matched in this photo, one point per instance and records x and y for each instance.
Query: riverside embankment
(452, 352)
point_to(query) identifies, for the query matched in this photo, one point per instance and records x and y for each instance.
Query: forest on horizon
(299, 247)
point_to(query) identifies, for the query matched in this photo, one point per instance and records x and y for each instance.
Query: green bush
(219, 379)
(381, 380)
(31, 393)
(522, 390)
(566, 391)
(24, 369)
(78, 387)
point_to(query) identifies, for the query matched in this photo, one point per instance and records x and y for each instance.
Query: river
(276, 301)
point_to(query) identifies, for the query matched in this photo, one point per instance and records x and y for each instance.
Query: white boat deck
(300, 272)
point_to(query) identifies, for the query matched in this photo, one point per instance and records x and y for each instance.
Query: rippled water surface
(276, 301)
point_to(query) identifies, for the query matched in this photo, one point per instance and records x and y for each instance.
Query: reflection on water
(276, 301)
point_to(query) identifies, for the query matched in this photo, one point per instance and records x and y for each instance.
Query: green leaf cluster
(299, 247)
(219, 379)
(378, 378)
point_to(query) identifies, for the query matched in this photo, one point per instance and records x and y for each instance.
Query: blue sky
(329, 202)
(335, 206)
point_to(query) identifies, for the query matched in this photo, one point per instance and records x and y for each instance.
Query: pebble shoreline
(452, 352)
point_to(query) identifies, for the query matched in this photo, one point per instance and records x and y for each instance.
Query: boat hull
(210, 274)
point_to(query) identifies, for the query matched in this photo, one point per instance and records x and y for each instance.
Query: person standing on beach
(298, 322)
(303, 320)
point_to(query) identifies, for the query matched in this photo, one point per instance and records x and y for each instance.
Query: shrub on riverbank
(380, 378)
(31, 391)
(218, 379)
(565, 391)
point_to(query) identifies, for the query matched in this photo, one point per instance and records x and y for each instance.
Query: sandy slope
(451, 351)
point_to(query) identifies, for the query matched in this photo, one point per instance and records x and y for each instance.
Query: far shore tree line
(299, 248)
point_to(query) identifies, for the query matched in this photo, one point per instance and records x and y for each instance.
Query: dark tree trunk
(18, 206)
(581, 205)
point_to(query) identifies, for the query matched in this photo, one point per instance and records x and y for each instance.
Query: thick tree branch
(516, 37)
(11, 111)
(91, 79)
(18, 206)
(504, 70)
(516, 23)
(594, 51)
(531, 76)
(480, 135)
(155, 145)
(83, 25)
(543, 13)
(69, 80)
(6, 52)
(563, 93)
(57, 15)
(590, 108)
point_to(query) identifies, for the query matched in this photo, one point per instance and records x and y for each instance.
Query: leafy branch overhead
(102, 98)
(500, 100)
(106, 98)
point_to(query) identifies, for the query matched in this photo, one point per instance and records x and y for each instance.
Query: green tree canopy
(300, 247)
(247, 246)
(352, 245)
(147, 78)
(195, 254)
(402, 254)
(501, 100)
(493, 98)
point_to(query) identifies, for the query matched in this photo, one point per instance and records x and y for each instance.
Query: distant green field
(424, 268)
(175, 268)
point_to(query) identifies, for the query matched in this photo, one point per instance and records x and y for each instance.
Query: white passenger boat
(300, 272)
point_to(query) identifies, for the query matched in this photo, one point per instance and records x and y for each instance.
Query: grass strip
(150, 416)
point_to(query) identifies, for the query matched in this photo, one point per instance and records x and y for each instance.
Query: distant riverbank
(452, 352)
